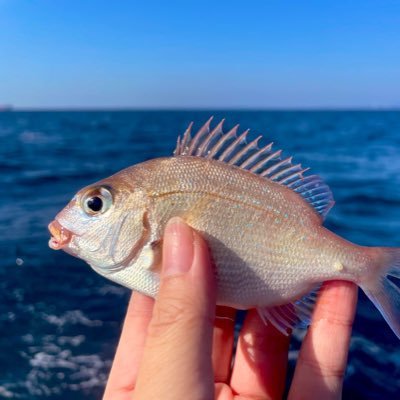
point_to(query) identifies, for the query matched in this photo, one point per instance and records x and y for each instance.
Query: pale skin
(180, 345)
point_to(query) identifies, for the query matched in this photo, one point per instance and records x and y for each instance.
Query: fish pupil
(95, 203)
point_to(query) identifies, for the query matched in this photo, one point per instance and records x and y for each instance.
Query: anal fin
(292, 315)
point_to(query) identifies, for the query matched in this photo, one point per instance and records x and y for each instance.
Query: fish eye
(97, 201)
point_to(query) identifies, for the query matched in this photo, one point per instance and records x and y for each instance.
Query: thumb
(177, 352)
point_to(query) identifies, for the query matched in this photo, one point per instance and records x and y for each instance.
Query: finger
(122, 379)
(323, 356)
(223, 337)
(261, 359)
(177, 352)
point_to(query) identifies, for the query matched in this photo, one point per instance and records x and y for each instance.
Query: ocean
(60, 321)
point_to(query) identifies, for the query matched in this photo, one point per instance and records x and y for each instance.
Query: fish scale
(260, 215)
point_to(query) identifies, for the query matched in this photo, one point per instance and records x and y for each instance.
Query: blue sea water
(60, 321)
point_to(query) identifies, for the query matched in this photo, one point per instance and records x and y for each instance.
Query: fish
(261, 214)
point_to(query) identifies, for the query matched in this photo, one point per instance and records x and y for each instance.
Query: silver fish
(261, 216)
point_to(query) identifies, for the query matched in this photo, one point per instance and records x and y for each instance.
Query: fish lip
(60, 236)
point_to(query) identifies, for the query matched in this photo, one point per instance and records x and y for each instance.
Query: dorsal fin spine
(276, 166)
(178, 145)
(305, 188)
(213, 134)
(204, 130)
(275, 156)
(228, 151)
(265, 161)
(302, 182)
(256, 155)
(185, 140)
(223, 140)
(284, 171)
(233, 149)
(286, 180)
(246, 149)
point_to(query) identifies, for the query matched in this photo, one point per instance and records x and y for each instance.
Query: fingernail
(178, 247)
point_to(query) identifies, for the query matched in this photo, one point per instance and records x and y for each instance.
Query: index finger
(323, 356)
(177, 352)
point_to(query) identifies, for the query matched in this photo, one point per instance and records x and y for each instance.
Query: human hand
(177, 348)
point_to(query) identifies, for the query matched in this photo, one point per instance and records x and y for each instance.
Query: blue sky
(213, 54)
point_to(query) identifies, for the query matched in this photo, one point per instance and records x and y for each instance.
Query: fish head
(104, 224)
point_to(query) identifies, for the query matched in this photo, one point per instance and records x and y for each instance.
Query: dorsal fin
(232, 148)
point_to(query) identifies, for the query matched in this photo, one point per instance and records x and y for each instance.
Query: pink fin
(383, 291)
(288, 316)
(233, 149)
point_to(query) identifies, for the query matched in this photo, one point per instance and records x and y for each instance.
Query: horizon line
(11, 108)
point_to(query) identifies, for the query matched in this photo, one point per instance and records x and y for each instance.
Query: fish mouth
(60, 236)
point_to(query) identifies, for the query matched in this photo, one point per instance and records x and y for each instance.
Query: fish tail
(381, 290)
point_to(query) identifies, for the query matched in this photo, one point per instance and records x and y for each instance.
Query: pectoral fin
(152, 252)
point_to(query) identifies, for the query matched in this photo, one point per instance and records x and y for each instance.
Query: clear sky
(214, 54)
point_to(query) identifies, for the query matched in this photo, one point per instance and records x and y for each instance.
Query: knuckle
(176, 312)
(137, 313)
(170, 312)
(334, 317)
(323, 370)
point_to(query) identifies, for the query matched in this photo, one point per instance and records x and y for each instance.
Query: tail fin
(383, 292)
